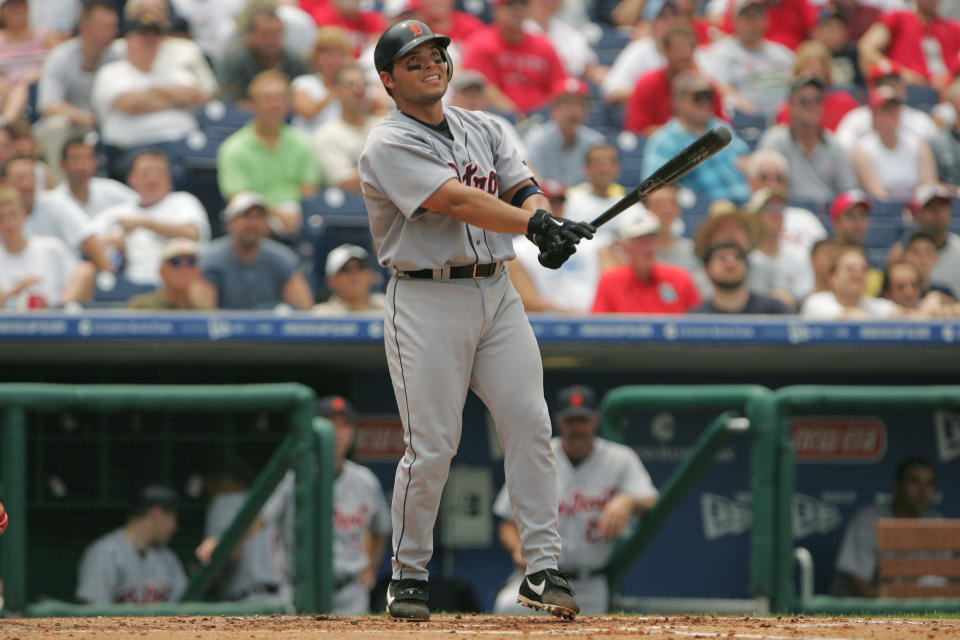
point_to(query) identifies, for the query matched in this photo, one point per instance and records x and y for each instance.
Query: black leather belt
(466, 271)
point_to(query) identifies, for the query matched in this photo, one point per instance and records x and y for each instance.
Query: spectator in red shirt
(363, 26)
(441, 17)
(925, 44)
(647, 109)
(814, 61)
(522, 67)
(791, 21)
(643, 285)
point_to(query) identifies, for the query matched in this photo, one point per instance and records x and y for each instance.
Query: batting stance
(602, 485)
(445, 189)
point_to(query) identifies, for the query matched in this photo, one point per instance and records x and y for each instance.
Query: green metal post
(323, 433)
(13, 476)
(761, 410)
(306, 580)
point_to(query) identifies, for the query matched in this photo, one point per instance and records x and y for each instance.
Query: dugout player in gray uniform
(445, 190)
(133, 563)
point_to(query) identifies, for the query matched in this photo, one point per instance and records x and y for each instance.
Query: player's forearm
(478, 208)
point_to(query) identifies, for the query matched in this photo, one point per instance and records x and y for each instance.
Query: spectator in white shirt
(314, 101)
(138, 230)
(88, 191)
(846, 298)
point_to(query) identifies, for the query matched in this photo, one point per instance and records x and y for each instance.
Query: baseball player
(361, 520)
(133, 563)
(602, 485)
(445, 189)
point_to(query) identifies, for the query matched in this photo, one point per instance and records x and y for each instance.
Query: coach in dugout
(602, 486)
(133, 564)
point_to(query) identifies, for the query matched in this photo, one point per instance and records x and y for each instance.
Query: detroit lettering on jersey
(152, 592)
(489, 183)
(346, 521)
(581, 502)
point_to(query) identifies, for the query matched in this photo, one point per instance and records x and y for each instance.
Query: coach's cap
(576, 401)
(927, 193)
(241, 203)
(468, 79)
(881, 70)
(740, 5)
(883, 95)
(343, 254)
(638, 222)
(159, 495)
(334, 405)
(848, 200)
(569, 86)
(178, 247)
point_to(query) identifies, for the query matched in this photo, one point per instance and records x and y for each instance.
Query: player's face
(905, 286)
(852, 226)
(420, 77)
(343, 433)
(577, 429)
(165, 525)
(727, 268)
(916, 489)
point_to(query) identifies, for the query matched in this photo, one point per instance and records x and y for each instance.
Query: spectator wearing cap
(179, 275)
(818, 166)
(813, 62)
(751, 71)
(789, 22)
(646, 109)
(468, 90)
(314, 101)
(247, 270)
(81, 185)
(137, 231)
(350, 278)
(720, 178)
(926, 45)
(569, 289)
(269, 156)
(133, 564)
(602, 487)
(572, 46)
(850, 214)
(644, 285)
(858, 122)
(777, 270)
(558, 147)
(36, 270)
(361, 517)
(522, 68)
(846, 298)
(932, 212)
(726, 266)
(920, 250)
(891, 162)
(139, 103)
(66, 82)
(769, 168)
(339, 142)
(262, 49)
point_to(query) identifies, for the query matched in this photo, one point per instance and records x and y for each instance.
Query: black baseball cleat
(407, 599)
(548, 590)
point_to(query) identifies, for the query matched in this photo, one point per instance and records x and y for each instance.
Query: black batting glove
(555, 254)
(544, 230)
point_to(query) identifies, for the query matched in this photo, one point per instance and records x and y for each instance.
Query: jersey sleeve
(96, 576)
(405, 168)
(636, 480)
(501, 506)
(177, 576)
(279, 501)
(220, 513)
(857, 555)
(508, 161)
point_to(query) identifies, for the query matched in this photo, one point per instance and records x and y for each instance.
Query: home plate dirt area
(483, 626)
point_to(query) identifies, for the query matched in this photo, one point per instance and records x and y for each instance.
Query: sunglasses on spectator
(811, 101)
(352, 267)
(183, 261)
(704, 96)
(779, 177)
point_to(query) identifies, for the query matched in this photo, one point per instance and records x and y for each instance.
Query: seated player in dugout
(602, 486)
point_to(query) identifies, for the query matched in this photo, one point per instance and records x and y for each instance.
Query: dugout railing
(818, 400)
(307, 448)
(747, 408)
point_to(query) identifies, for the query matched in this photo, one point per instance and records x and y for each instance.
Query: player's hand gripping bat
(696, 152)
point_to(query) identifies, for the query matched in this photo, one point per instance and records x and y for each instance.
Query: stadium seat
(220, 119)
(883, 232)
(923, 98)
(630, 146)
(321, 233)
(333, 201)
(749, 127)
(883, 209)
(610, 43)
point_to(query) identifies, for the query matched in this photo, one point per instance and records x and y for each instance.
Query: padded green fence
(757, 406)
(814, 399)
(308, 448)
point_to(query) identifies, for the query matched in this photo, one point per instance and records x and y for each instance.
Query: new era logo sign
(723, 516)
(946, 426)
(813, 516)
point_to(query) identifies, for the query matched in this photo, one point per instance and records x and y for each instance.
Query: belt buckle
(474, 275)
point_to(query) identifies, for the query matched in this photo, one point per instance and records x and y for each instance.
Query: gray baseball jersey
(585, 490)
(405, 162)
(112, 571)
(444, 336)
(255, 570)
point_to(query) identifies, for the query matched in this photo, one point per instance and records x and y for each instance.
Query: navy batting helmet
(404, 37)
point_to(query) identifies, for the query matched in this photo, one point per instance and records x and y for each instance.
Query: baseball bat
(695, 153)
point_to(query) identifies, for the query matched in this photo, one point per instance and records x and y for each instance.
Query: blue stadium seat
(749, 127)
(883, 209)
(630, 146)
(220, 119)
(883, 232)
(923, 98)
(335, 202)
(323, 231)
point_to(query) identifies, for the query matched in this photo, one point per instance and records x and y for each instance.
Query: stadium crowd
(176, 154)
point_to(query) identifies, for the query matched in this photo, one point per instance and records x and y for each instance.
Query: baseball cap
(806, 81)
(569, 86)
(343, 254)
(335, 405)
(882, 95)
(740, 5)
(847, 200)
(761, 197)
(553, 189)
(178, 247)
(241, 203)
(882, 69)
(145, 22)
(160, 495)
(927, 193)
(636, 223)
(468, 78)
(575, 401)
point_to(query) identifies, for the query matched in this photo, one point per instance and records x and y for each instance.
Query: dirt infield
(482, 626)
